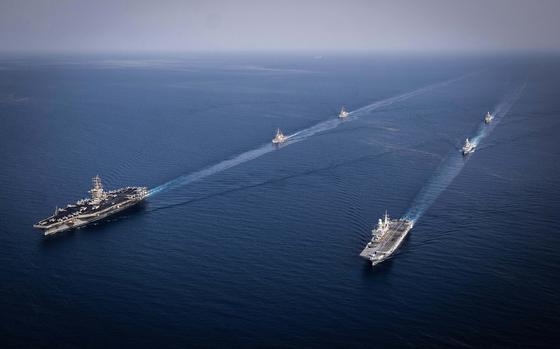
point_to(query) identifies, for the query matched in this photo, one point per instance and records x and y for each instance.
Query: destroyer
(387, 238)
(343, 114)
(488, 118)
(468, 147)
(101, 205)
(279, 138)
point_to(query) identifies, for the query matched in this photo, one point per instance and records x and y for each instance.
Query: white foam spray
(454, 162)
(293, 138)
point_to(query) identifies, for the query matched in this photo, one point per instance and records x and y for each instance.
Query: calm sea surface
(245, 245)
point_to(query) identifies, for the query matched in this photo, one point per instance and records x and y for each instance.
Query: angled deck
(378, 250)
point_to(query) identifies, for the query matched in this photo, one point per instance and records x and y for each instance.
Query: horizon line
(315, 52)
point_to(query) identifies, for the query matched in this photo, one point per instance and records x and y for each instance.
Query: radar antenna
(97, 190)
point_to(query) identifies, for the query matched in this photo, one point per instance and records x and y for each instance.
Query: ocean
(243, 244)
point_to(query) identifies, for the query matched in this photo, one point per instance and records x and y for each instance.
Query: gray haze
(223, 25)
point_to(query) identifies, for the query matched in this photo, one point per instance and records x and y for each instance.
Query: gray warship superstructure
(387, 237)
(488, 118)
(468, 147)
(343, 114)
(101, 205)
(279, 137)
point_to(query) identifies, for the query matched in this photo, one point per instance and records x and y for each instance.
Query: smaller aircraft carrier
(387, 237)
(101, 205)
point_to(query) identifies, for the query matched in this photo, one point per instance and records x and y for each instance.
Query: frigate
(343, 113)
(279, 138)
(468, 147)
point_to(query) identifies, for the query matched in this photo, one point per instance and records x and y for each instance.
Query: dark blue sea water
(245, 245)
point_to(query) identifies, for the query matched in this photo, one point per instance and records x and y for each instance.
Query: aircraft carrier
(387, 237)
(102, 204)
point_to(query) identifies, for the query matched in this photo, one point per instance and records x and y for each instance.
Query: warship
(488, 118)
(387, 237)
(343, 113)
(468, 147)
(279, 138)
(102, 204)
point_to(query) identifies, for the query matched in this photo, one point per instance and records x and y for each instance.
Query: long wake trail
(454, 162)
(293, 138)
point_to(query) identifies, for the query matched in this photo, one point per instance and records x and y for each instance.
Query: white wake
(454, 162)
(293, 138)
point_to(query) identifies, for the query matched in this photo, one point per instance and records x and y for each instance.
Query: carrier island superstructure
(387, 237)
(101, 205)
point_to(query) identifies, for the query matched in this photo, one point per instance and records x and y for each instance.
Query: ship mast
(97, 190)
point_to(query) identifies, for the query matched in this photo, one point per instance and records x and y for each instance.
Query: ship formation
(469, 147)
(386, 237)
(100, 205)
(280, 138)
(390, 233)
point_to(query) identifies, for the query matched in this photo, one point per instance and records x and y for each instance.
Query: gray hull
(81, 221)
(378, 250)
(102, 205)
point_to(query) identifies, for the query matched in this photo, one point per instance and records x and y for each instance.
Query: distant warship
(343, 113)
(279, 138)
(468, 147)
(488, 118)
(101, 205)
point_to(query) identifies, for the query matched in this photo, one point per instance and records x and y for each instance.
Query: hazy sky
(239, 25)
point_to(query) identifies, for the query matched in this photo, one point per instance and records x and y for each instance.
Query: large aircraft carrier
(101, 205)
(387, 237)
